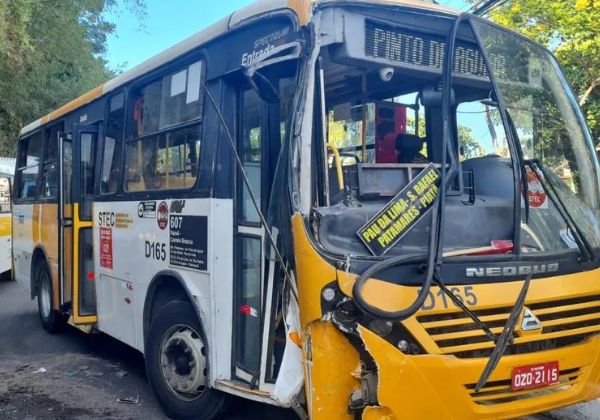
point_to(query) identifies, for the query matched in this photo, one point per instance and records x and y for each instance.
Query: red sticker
(162, 215)
(537, 196)
(106, 253)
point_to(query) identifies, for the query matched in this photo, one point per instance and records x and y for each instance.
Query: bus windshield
(549, 126)
(382, 113)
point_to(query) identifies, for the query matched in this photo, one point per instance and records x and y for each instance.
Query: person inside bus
(409, 147)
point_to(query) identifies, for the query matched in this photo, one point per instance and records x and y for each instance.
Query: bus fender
(39, 253)
(172, 292)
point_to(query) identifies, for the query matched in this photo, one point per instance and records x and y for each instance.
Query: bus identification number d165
(439, 299)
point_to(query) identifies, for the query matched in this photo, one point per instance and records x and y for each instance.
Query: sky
(170, 21)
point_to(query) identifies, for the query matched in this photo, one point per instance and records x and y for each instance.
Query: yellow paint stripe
(84, 99)
(5, 225)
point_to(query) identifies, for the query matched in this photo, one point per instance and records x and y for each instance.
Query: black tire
(168, 320)
(52, 321)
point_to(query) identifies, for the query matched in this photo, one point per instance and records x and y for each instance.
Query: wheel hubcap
(182, 362)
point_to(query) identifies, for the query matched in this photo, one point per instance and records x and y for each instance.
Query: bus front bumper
(440, 386)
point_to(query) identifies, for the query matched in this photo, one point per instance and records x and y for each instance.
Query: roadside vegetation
(51, 51)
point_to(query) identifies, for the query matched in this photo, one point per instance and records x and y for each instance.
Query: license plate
(534, 376)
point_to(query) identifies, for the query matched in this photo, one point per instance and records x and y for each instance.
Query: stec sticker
(387, 227)
(536, 195)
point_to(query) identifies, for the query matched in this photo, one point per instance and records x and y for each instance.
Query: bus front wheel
(176, 364)
(52, 320)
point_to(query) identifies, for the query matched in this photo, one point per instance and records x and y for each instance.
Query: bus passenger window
(4, 194)
(50, 170)
(174, 99)
(111, 160)
(28, 166)
(164, 161)
(251, 153)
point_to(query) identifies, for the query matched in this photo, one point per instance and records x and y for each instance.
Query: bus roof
(302, 9)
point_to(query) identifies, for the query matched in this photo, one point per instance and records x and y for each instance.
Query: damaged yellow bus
(356, 209)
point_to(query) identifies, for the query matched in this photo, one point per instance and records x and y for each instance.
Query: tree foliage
(51, 51)
(571, 30)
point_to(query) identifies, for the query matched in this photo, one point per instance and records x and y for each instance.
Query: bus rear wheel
(52, 320)
(176, 364)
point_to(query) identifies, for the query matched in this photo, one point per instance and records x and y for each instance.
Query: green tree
(51, 51)
(571, 30)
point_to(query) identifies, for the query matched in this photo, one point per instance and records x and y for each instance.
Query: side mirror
(263, 86)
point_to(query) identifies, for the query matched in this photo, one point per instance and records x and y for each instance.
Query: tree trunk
(583, 100)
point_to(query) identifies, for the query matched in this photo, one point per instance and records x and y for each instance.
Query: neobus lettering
(523, 270)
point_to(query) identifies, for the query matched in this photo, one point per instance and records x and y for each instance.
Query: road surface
(74, 375)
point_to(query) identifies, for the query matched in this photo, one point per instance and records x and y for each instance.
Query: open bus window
(164, 161)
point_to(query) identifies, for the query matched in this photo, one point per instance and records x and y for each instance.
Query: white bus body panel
(22, 231)
(136, 241)
(5, 244)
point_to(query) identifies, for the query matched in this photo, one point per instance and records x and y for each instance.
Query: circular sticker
(536, 195)
(162, 215)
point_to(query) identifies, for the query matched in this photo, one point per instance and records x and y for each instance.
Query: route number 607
(434, 300)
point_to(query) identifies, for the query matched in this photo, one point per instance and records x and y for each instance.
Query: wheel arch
(39, 256)
(165, 286)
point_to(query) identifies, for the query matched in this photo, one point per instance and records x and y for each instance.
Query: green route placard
(387, 227)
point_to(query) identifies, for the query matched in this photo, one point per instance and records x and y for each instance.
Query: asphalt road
(82, 376)
(74, 375)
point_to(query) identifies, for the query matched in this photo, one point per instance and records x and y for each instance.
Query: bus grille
(564, 322)
(500, 392)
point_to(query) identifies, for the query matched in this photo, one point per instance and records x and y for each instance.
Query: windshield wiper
(523, 170)
(505, 338)
(548, 186)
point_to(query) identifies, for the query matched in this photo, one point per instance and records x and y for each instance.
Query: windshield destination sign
(424, 50)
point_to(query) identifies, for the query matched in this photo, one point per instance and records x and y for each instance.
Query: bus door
(76, 200)
(249, 263)
(5, 225)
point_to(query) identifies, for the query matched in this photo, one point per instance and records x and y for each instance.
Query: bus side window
(50, 169)
(113, 140)
(164, 161)
(4, 194)
(167, 113)
(28, 165)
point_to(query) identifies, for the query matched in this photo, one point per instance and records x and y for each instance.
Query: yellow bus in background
(357, 209)
(7, 169)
